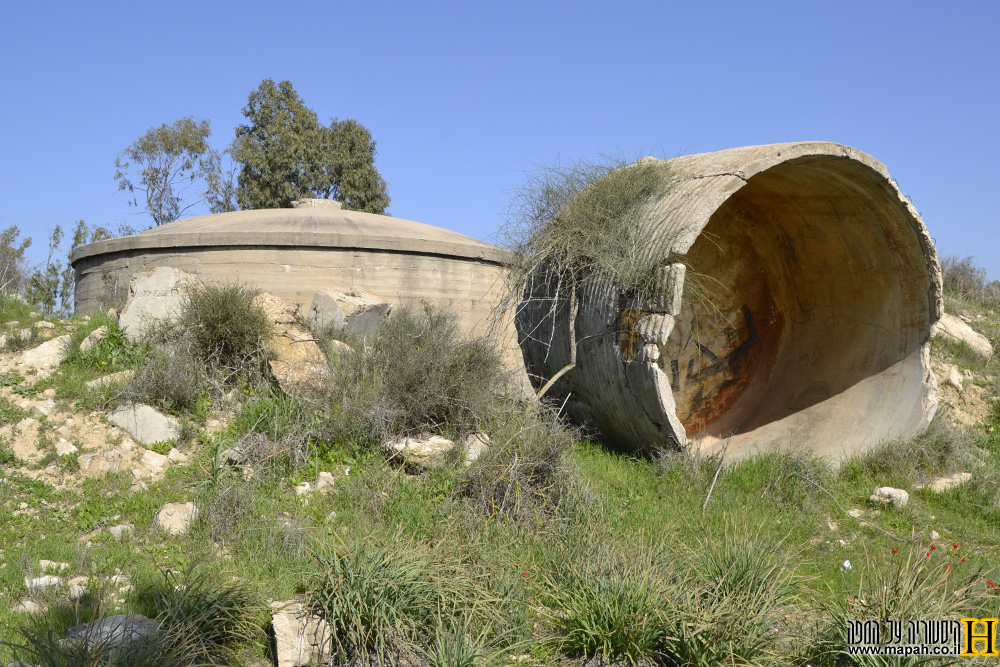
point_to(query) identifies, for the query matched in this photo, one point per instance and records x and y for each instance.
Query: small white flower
(846, 565)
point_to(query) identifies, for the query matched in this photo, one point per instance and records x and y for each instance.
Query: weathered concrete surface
(291, 253)
(359, 310)
(154, 295)
(811, 288)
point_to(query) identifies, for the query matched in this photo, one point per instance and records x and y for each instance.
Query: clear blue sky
(463, 97)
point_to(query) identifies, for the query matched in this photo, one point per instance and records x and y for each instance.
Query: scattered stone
(301, 638)
(474, 446)
(27, 606)
(42, 324)
(856, 513)
(49, 393)
(11, 324)
(93, 338)
(953, 378)
(846, 565)
(155, 463)
(49, 354)
(121, 530)
(145, 424)
(44, 408)
(176, 518)
(358, 310)
(76, 592)
(935, 536)
(98, 464)
(233, 456)
(303, 488)
(42, 583)
(942, 484)
(113, 631)
(429, 451)
(338, 347)
(121, 377)
(954, 328)
(177, 456)
(887, 495)
(325, 481)
(52, 566)
(64, 448)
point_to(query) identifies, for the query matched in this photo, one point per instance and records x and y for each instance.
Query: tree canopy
(281, 154)
(285, 153)
(165, 162)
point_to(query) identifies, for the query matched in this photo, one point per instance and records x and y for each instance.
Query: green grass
(551, 548)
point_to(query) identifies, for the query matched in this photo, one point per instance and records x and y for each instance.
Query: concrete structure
(798, 291)
(804, 324)
(292, 253)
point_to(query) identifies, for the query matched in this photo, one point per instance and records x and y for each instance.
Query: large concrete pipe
(799, 290)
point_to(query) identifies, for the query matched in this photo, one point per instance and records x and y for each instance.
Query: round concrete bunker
(294, 252)
(800, 291)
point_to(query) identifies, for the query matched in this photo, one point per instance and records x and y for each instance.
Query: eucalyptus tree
(285, 153)
(164, 165)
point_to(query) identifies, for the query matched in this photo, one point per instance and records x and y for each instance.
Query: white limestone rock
(145, 424)
(176, 518)
(887, 495)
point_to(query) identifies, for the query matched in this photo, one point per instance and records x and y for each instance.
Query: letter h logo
(987, 637)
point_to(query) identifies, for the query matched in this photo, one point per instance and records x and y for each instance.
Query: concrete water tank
(294, 252)
(819, 285)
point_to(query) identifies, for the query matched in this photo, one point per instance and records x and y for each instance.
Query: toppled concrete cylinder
(798, 291)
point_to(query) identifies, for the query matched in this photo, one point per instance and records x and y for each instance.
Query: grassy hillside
(548, 550)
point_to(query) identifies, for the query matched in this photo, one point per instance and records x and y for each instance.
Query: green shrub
(730, 605)
(10, 413)
(227, 328)
(217, 341)
(382, 598)
(112, 353)
(419, 373)
(215, 617)
(582, 221)
(15, 341)
(968, 281)
(523, 476)
(606, 604)
(941, 449)
(173, 378)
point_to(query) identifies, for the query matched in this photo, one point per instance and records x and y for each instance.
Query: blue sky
(463, 97)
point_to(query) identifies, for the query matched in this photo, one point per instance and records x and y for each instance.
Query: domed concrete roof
(314, 224)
